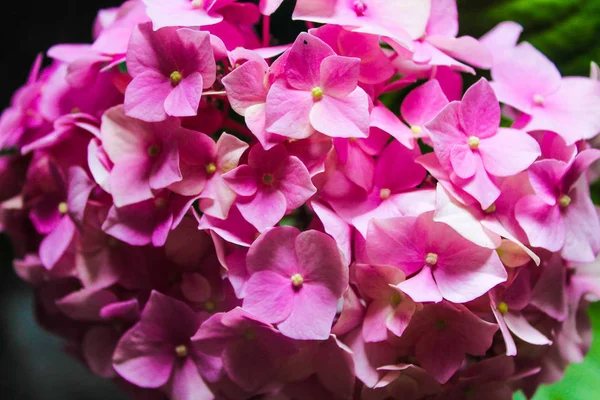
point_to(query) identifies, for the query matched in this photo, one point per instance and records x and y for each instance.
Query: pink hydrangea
(203, 215)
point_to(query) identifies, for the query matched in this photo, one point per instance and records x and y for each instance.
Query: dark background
(33, 364)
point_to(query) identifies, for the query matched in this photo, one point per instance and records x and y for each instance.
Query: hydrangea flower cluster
(204, 214)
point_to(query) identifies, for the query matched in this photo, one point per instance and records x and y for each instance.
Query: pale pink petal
(508, 152)
(184, 99)
(581, 221)
(465, 48)
(422, 287)
(374, 327)
(245, 86)
(519, 325)
(288, 111)
(296, 185)
(347, 117)
(463, 161)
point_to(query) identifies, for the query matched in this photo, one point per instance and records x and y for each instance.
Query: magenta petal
(303, 65)
(184, 99)
(97, 347)
(296, 184)
(344, 117)
(339, 75)
(311, 318)
(542, 223)
(269, 296)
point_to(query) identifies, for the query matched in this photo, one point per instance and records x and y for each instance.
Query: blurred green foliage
(568, 32)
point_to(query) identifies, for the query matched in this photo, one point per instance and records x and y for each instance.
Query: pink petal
(311, 318)
(581, 221)
(302, 68)
(296, 185)
(165, 169)
(269, 296)
(288, 111)
(145, 96)
(274, 250)
(347, 117)
(522, 74)
(339, 75)
(397, 170)
(184, 99)
(465, 48)
(54, 246)
(423, 103)
(395, 242)
(422, 287)
(463, 161)
(245, 86)
(469, 272)
(480, 111)
(265, 209)
(130, 182)
(443, 19)
(523, 329)
(186, 382)
(243, 180)
(542, 223)
(320, 262)
(374, 327)
(508, 152)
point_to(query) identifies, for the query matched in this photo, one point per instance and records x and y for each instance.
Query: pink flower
(247, 87)
(388, 309)
(251, 350)
(561, 216)
(170, 68)
(202, 164)
(272, 184)
(438, 262)
(471, 147)
(145, 156)
(295, 281)
(507, 304)
(318, 91)
(530, 82)
(418, 108)
(443, 334)
(401, 20)
(157, 351)
(375, 66)
(148, 221)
